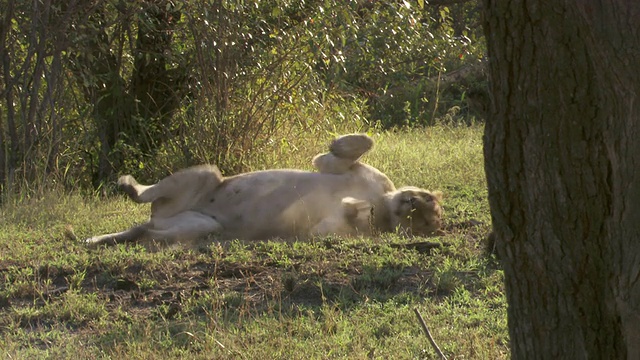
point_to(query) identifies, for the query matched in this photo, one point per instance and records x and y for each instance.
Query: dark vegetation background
(91, 89)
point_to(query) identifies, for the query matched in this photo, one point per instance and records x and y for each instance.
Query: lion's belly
(279, 204)
(280, 217)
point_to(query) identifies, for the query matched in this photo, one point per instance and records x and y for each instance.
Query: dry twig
(426, 331)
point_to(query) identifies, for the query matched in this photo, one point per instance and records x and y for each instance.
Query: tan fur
(345, 197)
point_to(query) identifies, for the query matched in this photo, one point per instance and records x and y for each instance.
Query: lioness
(345, 197)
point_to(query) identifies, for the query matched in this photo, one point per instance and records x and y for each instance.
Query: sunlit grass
(328, 298)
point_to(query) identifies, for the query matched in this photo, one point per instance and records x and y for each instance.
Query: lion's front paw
(351, 146)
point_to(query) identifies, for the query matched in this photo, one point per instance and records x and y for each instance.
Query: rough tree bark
(562, 152)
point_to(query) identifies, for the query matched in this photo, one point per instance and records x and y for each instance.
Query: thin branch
(445, 2)
(426, 331)
(435, 106)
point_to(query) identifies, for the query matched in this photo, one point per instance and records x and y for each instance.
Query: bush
(146, 87)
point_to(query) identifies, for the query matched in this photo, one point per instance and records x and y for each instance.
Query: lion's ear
(438, 195)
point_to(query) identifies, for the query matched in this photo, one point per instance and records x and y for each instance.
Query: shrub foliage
(89, 89)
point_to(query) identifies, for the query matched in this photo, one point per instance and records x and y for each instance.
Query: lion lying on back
(345, 197)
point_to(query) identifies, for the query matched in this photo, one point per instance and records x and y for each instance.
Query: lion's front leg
(352, 218)
(351, 146)
(343, 153)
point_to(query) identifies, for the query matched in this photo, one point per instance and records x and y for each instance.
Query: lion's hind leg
(183, 227)
(196, 179)
(343, 153)
(137, 192)
(133, 234)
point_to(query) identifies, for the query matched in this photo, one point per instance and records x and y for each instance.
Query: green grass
(328, 298)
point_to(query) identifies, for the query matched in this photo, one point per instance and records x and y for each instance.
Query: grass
(328, 298)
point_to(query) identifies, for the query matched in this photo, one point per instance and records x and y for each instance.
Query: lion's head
(415, 211)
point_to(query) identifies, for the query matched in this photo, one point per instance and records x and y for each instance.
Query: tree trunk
(9, 147)
(562, 155)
